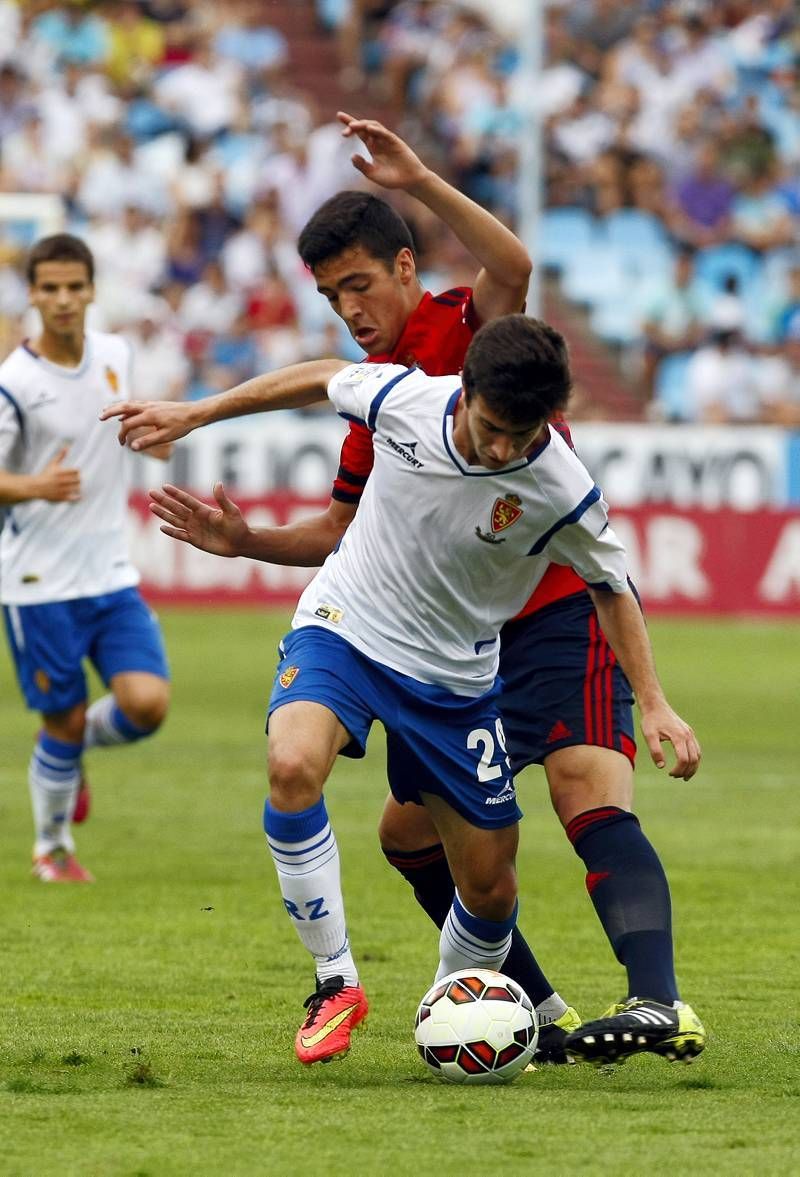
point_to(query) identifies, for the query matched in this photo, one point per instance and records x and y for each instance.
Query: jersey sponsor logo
(505, 513)
(43, 397)
(329, 613)
(507, 794)
(407, 450)
(42, 680)
(31, 578)
(288, 676)
(112, 379)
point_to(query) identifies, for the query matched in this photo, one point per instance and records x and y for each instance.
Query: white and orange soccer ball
(476, 1026)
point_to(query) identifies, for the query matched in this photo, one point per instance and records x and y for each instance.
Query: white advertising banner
(708, 467)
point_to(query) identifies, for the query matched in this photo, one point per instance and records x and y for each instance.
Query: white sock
(107, 725)
(550, 1009)
(306, 857)
(53, 776)
(467, 940)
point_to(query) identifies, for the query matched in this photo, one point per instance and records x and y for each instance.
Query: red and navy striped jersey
(435, 339)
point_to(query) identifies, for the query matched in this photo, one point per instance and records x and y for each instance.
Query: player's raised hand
(144, 424)
(393, 164)
(220, 531)
(58, 483)
(662, 723)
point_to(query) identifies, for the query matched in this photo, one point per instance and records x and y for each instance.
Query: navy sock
(428, 873)
(630, 893)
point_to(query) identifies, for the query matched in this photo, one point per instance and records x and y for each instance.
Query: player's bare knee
(147, 705)
(492, 897)
(294, 778)
(406, 828)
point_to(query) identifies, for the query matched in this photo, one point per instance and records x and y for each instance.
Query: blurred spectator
(722, 382)
(205, 92)
(673, 317)
(271, 303)
(185, 257)
(210, 306)
(136, 44)
(15, 105)
(248, 40)
(699, 212)
(72, 37)
(760, 217)
(160, 369)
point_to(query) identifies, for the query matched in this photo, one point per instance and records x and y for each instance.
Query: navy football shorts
(116, 631)
(562, 685)
(437, 742)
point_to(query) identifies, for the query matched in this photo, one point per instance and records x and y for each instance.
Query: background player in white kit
(472, 495)
(67, 585)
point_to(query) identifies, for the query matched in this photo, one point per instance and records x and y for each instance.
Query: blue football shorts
(562, 685)
(437, 742)
(117, 632)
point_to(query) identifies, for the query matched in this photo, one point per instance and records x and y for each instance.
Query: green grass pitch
(146, 1022)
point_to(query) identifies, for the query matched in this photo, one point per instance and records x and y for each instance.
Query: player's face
(373, 299)
(61, 292)
(493, 441)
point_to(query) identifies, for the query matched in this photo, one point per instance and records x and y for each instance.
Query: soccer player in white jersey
(67, 585)
(472, 495)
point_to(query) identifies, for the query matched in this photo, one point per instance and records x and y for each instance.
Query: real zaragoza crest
(505, 513)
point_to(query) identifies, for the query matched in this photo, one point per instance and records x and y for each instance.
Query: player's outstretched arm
(56, 483)
(144, 424)
(623, 625)
(502, 284)
(223, 530)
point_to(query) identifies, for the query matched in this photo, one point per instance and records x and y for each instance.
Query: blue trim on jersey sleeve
(381, 396)
(350, 417)
(573, 517)
(15, 406)
(601, 585)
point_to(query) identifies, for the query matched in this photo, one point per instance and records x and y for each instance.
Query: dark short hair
(520, 367)
(60, 247)
(351, 219)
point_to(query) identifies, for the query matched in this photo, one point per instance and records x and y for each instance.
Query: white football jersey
(440, 553)
(60, 551)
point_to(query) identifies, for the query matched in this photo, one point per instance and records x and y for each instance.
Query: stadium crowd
(189, 161)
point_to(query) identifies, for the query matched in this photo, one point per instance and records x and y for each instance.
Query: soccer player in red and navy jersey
(566, 703)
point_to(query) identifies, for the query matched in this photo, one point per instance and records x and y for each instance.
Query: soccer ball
(476, 1026)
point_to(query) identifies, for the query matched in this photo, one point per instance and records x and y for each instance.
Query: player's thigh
(405, 828)
(481, 860)
(316, 711)
(562, 686)
(453, 747)
(586, 777)
(126, 640)
(304, 740)
(48, 644)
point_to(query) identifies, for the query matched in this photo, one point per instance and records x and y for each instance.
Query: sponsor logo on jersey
(42, 680)
(43, 397)
(112, 379)
(31, 578)
(329, 613)
(505, 513)
(407, 450)
(507, 793)
(288, 676)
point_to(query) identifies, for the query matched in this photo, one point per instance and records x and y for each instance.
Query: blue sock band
(59, 749)
(125, 727)
(295, 827)
(491, 931)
